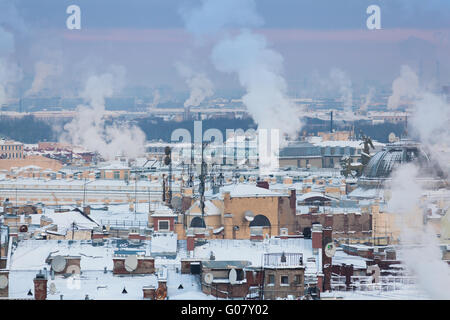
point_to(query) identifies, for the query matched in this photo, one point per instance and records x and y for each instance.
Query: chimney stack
(40, 286)
(316, 236)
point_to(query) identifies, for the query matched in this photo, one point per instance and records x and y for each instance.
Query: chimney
(327, 237)
(40, 286)
(316, 236)
(293, 200)
(190, 242)
(262, 184)
(87, 210)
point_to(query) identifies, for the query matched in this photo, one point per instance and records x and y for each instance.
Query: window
(271, 281)
(298, 279)
(116, 175)
(284, 280)
(163, 225)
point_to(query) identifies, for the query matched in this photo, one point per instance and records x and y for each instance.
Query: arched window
(197, 222)
(260, 221)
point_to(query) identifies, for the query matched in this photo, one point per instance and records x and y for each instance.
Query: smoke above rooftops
(11, 26)
(89, 127)
(406, 86)
(259, 68)
(420, 247)
(430, 119)
(200, 86)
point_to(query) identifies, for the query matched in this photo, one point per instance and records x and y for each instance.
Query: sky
(149, 38)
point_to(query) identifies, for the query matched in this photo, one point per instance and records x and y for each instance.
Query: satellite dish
(232, 276)
(52, 288)
(330, 249)
(209, 278)
(131, 263)
(176, 202)
(3, 281)
(73, 269)
(249, 216)
(58, 263)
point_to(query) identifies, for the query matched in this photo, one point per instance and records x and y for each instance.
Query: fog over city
(225, 150)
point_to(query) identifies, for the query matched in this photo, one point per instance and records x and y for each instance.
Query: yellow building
(241, 211)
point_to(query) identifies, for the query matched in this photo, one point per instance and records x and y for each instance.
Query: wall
(278, 290)
(145, 266)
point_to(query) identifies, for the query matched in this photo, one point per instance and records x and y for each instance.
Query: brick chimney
(316, 235)
(262, 184)
(293, 200)
(190, 242)
(149, 292)
(40, 286)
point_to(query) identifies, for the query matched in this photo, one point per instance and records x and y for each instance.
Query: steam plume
(368, 99)
(405, 86)
(89, 129)
(420, 248)
(258, 67)
(43, 71)
(199, 85)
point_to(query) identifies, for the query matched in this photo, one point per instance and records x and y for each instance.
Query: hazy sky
(148, 37)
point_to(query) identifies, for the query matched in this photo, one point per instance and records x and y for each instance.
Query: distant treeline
(379, 131)
(31, 130)
(158, 129)
(27, 129)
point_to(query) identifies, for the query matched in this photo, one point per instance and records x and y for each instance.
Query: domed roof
(384, 162)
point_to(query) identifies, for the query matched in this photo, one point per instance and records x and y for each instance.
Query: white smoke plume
(43, 71)
(200, 86)
(431, 122)
(420, 248)
(259, 71)
(258, 67)
(430, 119)
(11, 26)
(344, 86)
(406, 86)
(88, 128)
(368, 99)
(156, 99)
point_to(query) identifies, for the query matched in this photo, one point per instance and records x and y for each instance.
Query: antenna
(58, 263)
(209, 278)
(131, 263)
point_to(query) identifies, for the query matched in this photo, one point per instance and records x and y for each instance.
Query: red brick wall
(40, 289)
(156, 225)
(145, 266)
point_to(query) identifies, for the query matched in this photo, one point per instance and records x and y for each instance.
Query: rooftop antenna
(203, 173)
(168, 161)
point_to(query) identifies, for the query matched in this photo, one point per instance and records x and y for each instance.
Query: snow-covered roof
(164, 244)
(309, 195)
(116, 166)
(64, 220)
(248, 190)
(210, 209)
(253, 251)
